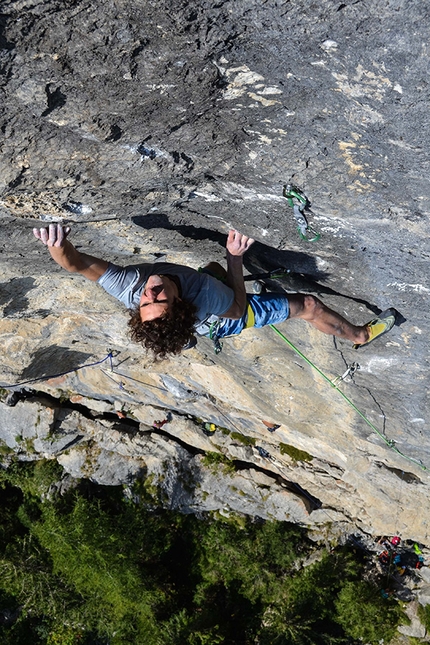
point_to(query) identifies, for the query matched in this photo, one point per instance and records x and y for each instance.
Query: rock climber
(169, 303)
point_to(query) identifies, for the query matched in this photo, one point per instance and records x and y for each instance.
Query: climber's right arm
(64, 253)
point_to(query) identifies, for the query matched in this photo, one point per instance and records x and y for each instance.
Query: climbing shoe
(379, 326)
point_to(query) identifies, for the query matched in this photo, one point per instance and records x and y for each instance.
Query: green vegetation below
(5, 449)
(216, 461)
(295, 453)
(92, 567)
(247, 441)
(424, 616)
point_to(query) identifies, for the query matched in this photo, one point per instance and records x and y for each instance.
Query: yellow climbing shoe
(379, 326)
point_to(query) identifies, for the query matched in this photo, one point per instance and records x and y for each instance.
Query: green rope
(390, 442)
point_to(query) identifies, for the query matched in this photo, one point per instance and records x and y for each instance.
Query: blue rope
(9, 386)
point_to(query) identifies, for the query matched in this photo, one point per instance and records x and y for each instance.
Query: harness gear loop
(299, 203)
(213, 335)
(213, 329)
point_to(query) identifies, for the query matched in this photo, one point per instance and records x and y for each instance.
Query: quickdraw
(349, 372)
(299, 203)
(391, 443)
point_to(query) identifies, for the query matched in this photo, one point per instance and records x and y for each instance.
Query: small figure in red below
(384, 557)
(157, 425)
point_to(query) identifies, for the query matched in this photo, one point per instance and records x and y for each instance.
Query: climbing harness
(214, 327)
(389, 442)
(250, 317)
(250, 320)
(300, 203)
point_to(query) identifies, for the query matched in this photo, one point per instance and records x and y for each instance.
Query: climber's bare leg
(312, 310)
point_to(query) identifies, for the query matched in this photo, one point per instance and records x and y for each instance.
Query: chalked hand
(52, 235)
(237, 243)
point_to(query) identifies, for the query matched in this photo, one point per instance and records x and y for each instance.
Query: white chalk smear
(405, 286)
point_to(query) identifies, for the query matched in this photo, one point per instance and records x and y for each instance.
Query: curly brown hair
(167, 334)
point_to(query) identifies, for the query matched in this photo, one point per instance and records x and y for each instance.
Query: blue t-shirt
(209, 295)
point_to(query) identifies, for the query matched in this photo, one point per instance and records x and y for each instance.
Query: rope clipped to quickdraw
(109, 357)
(350, 371)
(300, 203)
(389, 442)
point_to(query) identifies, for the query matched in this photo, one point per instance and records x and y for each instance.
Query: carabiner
(311, 231)
(292, 193)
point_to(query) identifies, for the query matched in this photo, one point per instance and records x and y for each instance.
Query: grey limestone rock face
(152, 127)
(415, 629)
